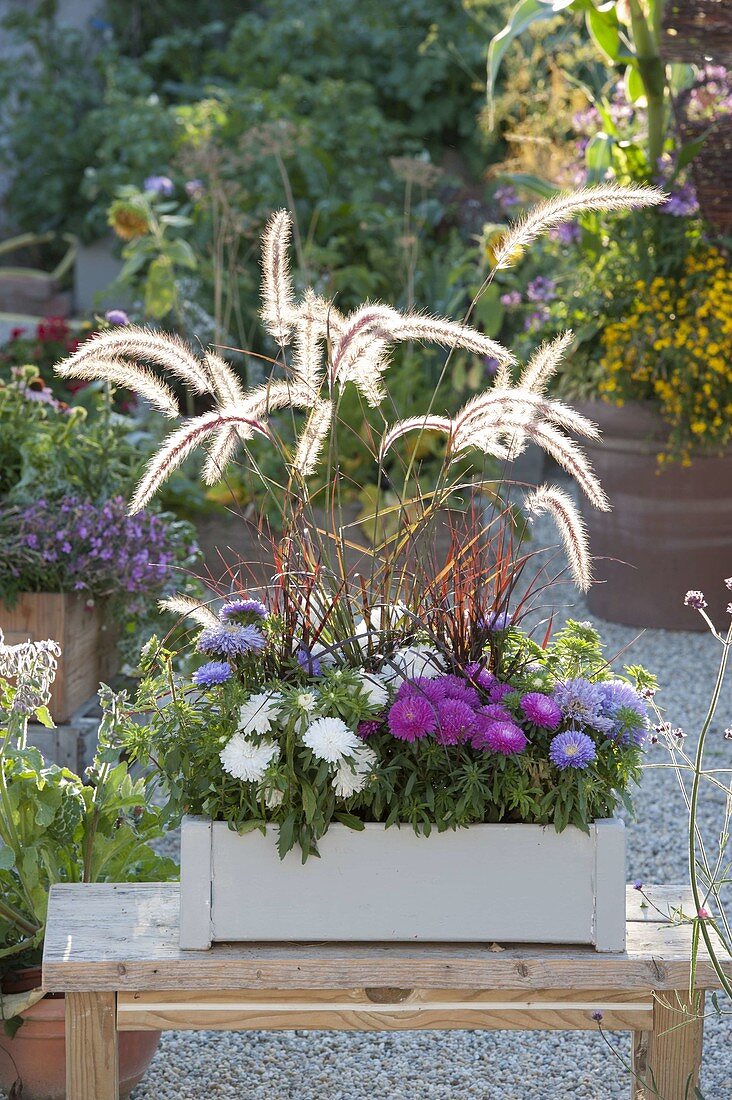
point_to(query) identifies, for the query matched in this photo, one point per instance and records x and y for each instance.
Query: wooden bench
(113, 949)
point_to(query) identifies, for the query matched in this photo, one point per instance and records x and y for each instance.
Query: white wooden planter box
(503, 883)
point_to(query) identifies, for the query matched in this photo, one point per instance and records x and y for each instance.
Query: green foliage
(56, 827)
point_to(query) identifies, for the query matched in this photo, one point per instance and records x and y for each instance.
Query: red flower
(16, 333)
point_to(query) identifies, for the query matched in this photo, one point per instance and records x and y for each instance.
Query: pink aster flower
(412, 718)
(501, 737)
(455, 687)
(497, 712)
(432, 690)
(541, 710)
(456, 722)
(368, 728)
(480, 676)
(499, 691)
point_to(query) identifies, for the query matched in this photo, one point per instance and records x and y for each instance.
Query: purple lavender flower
(160, 185)
(195, 189)
(567, 233)
(682, 202)
(581, 704)
(504, 738)
(511, 299)
(308, 662)
(238, 609)
(695, 599)
(541, 289)
(211, 674)
(456, 722)
(116, 317)
(230, 640)
(412, 718)
(541, 710)
(572, 749)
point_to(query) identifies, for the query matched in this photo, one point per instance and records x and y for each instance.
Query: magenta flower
(497, 712)
(501, 737)
(541, 710)
(368, 728)
(455, 687)
(480, 676)
(431, 690)
(499, 692)
(412, 718)
(456, 722)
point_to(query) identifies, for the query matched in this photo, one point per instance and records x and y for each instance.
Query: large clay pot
(669, 530)
(36, 1055)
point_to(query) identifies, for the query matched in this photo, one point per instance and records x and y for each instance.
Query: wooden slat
(139, 951)
(391, 1010)
(675, 1047)
(92, 1068)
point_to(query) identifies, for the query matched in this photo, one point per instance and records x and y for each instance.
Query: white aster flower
(353, 775)
(272, 797)
(373, 686)
(331, 739)
(412, 662)
(246, 760)
(259, 712)
(306, 700)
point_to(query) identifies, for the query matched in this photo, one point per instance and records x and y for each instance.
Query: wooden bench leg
(667, 1060)
(92, 1071)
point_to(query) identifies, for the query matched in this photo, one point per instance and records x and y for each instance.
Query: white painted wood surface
(503, 883)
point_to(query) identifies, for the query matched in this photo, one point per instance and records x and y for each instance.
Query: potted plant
(335, 706)
(56, 827)
(649, 301)
(74, 565)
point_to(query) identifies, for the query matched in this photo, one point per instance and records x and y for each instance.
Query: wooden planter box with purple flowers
(87, 640)
(485, 883)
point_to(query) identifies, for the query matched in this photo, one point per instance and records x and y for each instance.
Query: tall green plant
(627, 34)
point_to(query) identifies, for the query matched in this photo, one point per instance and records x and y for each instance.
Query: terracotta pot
(668, 530)
(36, 1055)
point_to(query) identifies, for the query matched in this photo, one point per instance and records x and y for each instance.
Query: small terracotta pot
(668, 531)
(36, 1056)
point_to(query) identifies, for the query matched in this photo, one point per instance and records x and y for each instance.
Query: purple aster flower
(541, 289)
(628, 711)
(541, 710)
(456, 722)
(412, 718)
(215, 672)
(431, 690)
(597, 1016)
(536, 319)
(682, 202)
(506, 197)
(160, 185)
(497, 621)
(491, 364)
(638, 884)
(480, 676)
(572, 749)
(499, 692)
(308, 662)
(368, 728)
(455, 687)
(581, 704)
(116, 317)
(232, 609)
(567, 233)
(497, 712)
(505, 738)
(695, 599)
(511, 299)
(230, 640)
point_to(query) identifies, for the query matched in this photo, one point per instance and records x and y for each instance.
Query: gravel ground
(466, 1065)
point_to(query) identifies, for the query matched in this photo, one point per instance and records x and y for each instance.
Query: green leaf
(521, 18)
(181, 253)
(602, 23)
(160, 288)
(309, 802)
(351, 822)
(533, 184)
(598, 157)
(7, 857)
(634, 87)
(43, 715)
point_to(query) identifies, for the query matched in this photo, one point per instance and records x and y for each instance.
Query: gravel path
(493, 1065)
